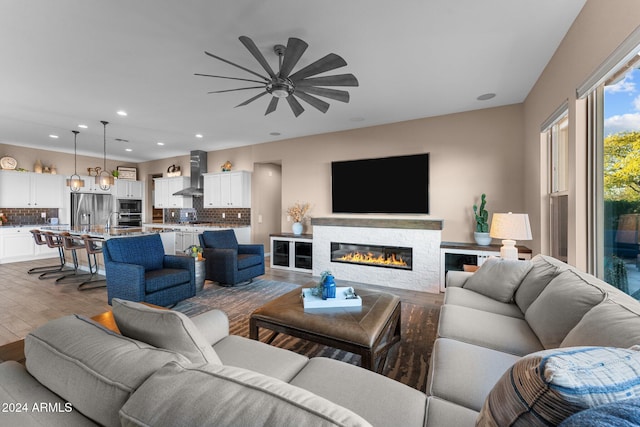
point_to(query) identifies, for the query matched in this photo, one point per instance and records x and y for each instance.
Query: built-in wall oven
(129, 212)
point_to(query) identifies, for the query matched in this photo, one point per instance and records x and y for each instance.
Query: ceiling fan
(300, 84)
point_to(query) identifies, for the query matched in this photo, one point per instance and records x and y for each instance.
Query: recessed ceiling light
(198, 135)
(53, 136)
(160, 143)
(122, 113)
(83, 126)
(486, 96)
(128, 149)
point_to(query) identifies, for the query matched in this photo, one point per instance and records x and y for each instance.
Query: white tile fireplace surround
(422, 235)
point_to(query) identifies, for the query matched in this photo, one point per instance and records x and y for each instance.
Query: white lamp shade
(510, 226)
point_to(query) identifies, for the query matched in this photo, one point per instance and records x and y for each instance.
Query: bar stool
(93, 247)
(72, 244)
(55, 242)
(38, 237)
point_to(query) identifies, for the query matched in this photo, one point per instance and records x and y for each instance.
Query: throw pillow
(163, 328)
(547, 387)
(618, 414)
(498, 278)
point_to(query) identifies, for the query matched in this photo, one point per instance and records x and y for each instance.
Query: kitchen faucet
(108, 224)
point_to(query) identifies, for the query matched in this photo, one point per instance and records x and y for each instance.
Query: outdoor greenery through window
(621, 179)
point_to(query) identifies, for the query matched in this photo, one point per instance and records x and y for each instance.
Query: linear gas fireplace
(372, 255)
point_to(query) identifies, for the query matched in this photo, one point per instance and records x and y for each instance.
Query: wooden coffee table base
(370, 330)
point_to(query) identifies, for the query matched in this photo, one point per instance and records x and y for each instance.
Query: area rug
(408, 362)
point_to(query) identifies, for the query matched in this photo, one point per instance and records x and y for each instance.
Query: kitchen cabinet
(184, 239)
(31, 190)
(126, 189)
(227, 190)
(17, 244)
(164, 189)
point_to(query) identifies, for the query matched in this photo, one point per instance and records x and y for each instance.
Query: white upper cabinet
(126, 189)
(31, 190)
(227, 190)
(90, 186)
(164, 189)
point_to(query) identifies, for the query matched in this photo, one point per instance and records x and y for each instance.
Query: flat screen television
(392, 185)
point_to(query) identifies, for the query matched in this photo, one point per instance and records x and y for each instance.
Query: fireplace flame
(370, 258)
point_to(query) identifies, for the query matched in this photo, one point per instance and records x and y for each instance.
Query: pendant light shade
(75, 183)
(104, 179)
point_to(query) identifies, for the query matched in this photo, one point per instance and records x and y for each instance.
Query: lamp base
(509, 250)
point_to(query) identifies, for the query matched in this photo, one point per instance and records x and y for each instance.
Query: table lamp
(510, 227)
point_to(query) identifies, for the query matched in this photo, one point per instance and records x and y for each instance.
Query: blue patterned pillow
(619, 414)
(547, 387)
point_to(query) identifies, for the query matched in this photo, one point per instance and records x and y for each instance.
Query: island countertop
(102, 232)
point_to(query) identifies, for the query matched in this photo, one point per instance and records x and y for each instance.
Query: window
(557, 137)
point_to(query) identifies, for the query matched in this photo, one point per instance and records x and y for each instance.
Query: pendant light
(75, 182)
(104, 179)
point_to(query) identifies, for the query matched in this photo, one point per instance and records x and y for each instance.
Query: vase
(37, 167)
(482, 239)
(329, 287)
(297, 228)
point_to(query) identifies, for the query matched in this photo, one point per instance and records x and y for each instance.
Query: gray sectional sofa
(167, 369)
(495, 321)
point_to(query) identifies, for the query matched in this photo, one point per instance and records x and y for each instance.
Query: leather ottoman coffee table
(370, 330)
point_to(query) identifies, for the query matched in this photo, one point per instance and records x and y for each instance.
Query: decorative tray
(341, 299)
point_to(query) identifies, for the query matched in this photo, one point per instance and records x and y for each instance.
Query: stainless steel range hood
(198, 167)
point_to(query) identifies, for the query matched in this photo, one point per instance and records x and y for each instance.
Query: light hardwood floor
(27, 302)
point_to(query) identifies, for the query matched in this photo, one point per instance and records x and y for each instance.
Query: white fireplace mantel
(422, 235)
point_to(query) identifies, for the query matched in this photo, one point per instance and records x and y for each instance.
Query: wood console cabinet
(454, 255)
(292, 252)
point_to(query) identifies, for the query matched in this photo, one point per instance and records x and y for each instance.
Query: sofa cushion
(157, 280)
(217, 395)
(443, 413)
(376, 398)
(609, 324)
(259, 357)
(618, 414)
(498, 278)
(162, 328)
(94, 369)
(471, 299)
(543, 270)
(561, 305)
(27, 395)
(146, 251)
(495, 331)
(547, 387)
(463, 373)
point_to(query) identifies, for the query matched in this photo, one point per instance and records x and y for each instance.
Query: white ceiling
(67, 62)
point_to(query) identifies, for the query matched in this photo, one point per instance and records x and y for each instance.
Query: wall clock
(8, 163)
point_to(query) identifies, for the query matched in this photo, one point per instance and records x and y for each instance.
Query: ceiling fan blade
(337, 80)
(240, 88)
(326, 63)
(338, 95)
(293, 52)
(252, 99)
(251, 46)
(225, 77)
(236, 65)
(295, 106)
(312, 100)
(272, 105)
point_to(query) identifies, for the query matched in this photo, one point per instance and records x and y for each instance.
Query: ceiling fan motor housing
(280, 88)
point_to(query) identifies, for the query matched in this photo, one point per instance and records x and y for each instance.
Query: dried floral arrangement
(298, 211)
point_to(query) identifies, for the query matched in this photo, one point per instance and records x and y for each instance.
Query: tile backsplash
(213, 215)
(28, 216)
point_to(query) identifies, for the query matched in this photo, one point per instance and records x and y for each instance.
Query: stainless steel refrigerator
(91, 209)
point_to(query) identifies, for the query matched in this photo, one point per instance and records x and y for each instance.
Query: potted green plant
(481, 235)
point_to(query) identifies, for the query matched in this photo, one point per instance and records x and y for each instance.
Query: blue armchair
(228, 262)
(138, 270)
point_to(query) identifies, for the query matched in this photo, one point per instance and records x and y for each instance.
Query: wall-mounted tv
(392, 185)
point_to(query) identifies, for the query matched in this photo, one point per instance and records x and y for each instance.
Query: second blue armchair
(228, 262)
